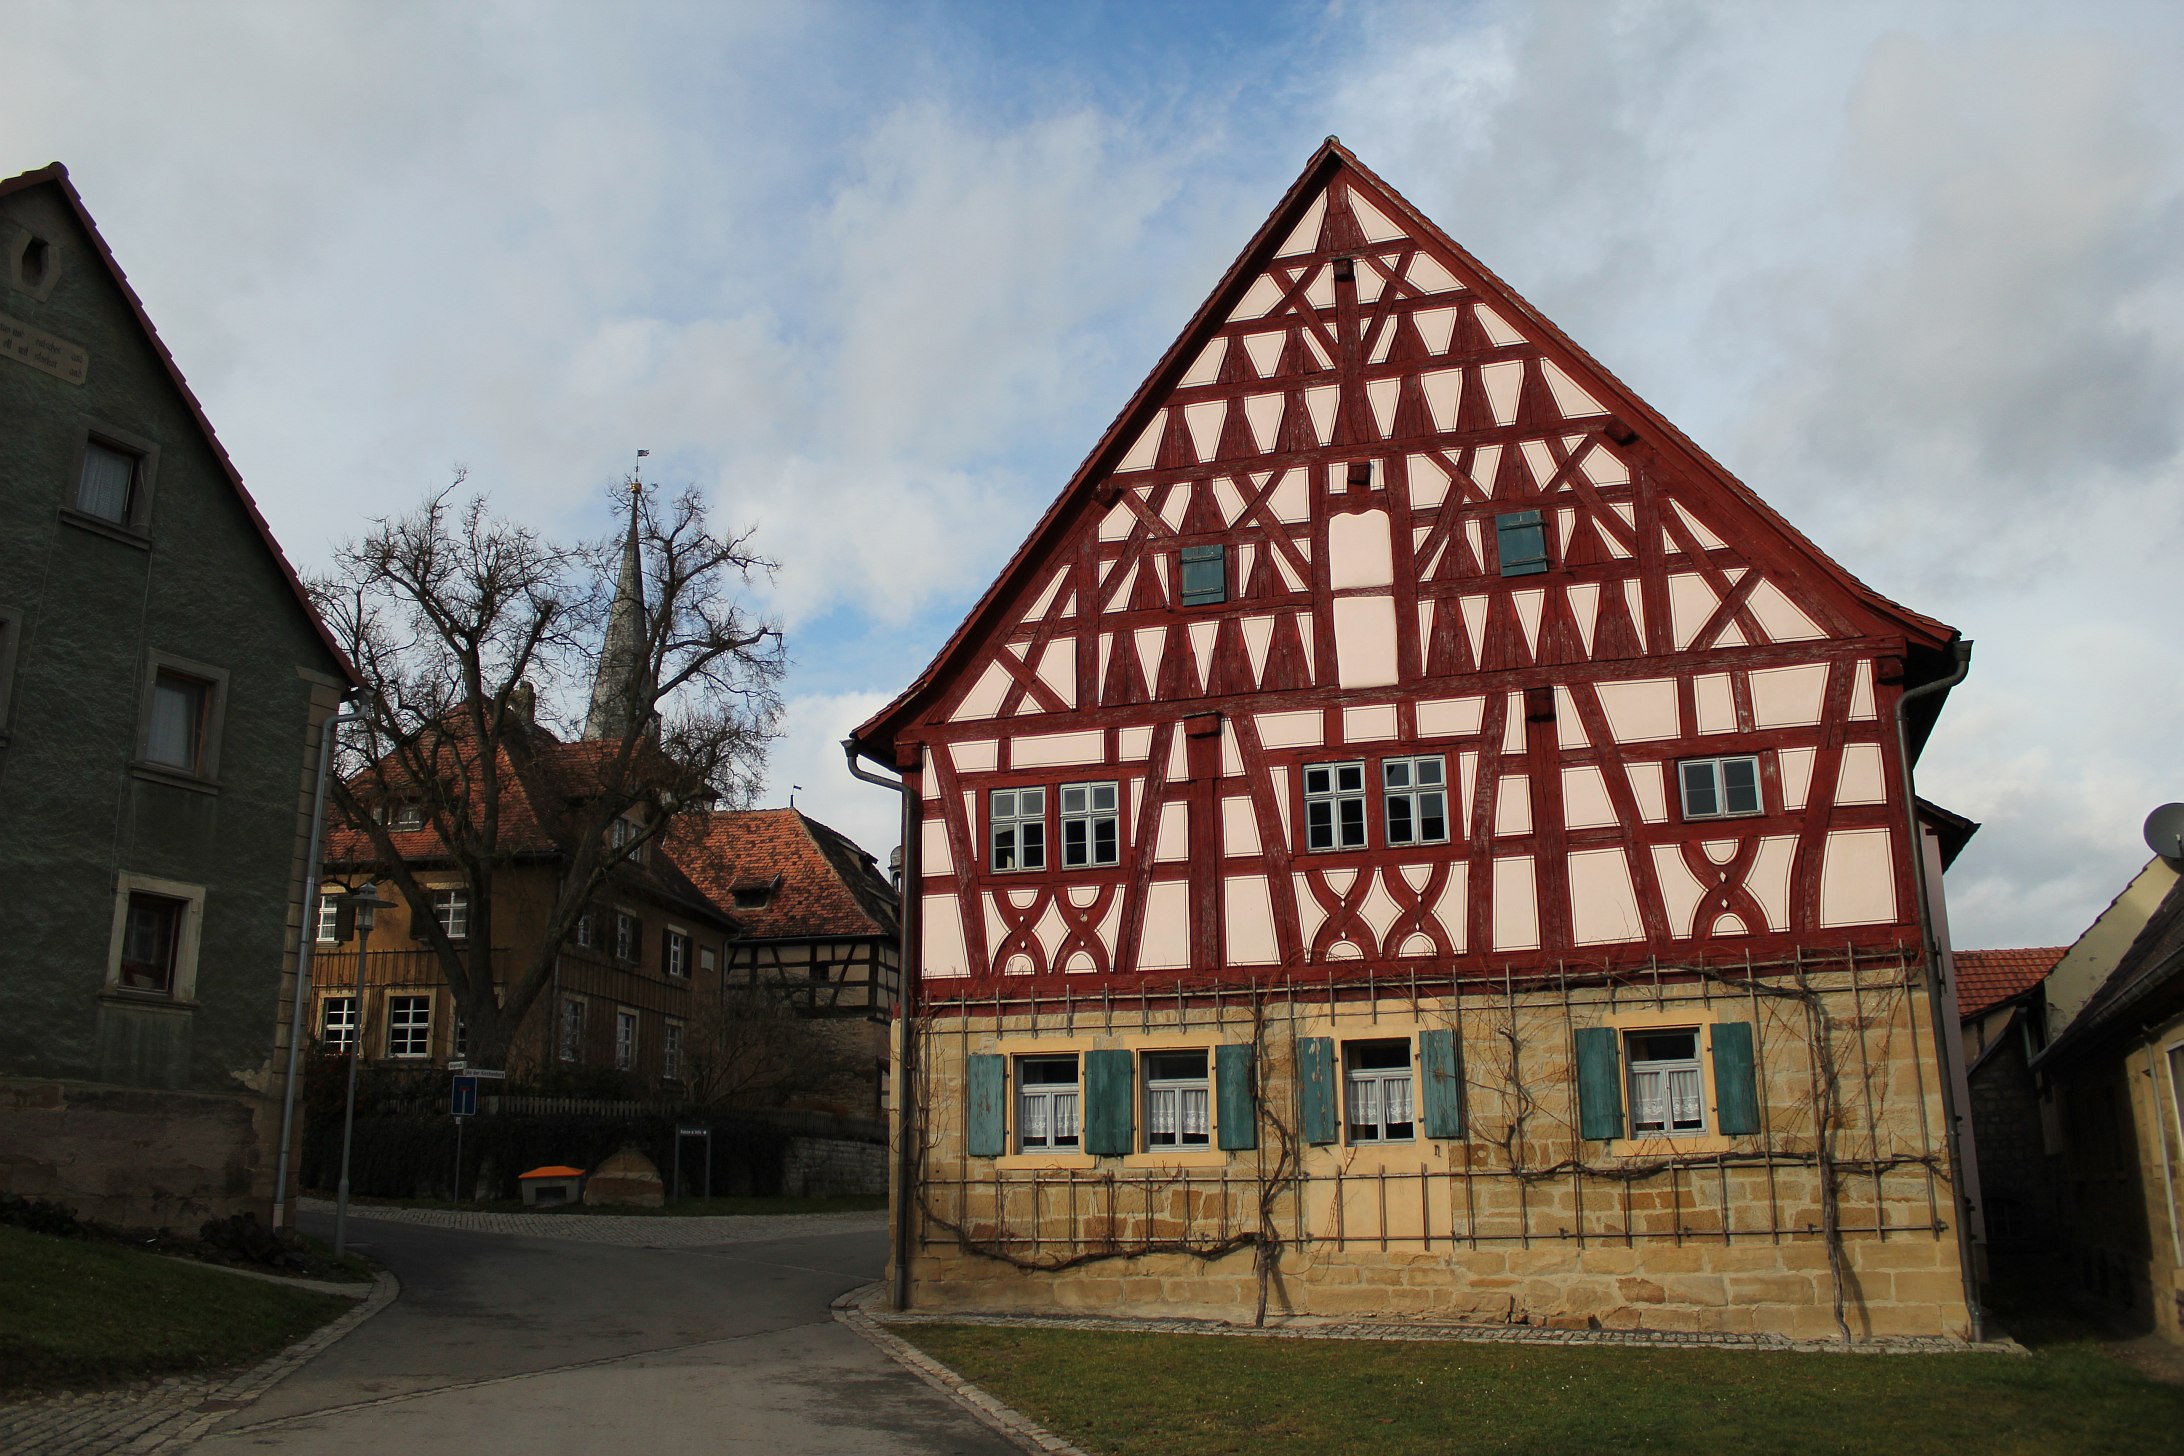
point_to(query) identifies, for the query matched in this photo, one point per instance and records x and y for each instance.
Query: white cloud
(808, 763)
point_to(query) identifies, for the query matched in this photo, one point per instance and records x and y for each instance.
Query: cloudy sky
(875, 276)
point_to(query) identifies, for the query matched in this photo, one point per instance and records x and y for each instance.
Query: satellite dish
(2165, 831)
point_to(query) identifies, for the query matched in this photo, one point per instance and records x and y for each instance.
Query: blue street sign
(463, 1100)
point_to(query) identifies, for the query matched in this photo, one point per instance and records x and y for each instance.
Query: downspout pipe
(306, 938)
(1930, 951)
(906, 974)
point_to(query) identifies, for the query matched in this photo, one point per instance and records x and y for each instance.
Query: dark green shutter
(988, 1134)
(1316, 1088)
(1736, 1089)
(1109, 1093)
(1599, 1082)
(1441, 1067)
(1235, 1113)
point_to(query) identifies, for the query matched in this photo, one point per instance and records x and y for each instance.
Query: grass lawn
(1177, 1395)
(675, 1208)
(76, 1313)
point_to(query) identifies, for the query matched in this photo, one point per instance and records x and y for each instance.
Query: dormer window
(624, 833)
(753, 894)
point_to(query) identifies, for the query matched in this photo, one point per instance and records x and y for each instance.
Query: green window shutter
(1736, 1087)
(1235, 1116)
(988, 1135)
(1109, 1093)
(1316, 1088)
(1599, 1082)
(1441, 1068)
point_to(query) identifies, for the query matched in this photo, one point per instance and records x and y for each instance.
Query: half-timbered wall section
(1388, 642)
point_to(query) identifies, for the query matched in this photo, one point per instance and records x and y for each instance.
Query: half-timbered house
(1410, 833)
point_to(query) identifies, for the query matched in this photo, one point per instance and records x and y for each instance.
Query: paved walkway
(625, 1230)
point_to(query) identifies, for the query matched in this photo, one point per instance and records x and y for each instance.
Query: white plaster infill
(870, 1307)
(170, 1414)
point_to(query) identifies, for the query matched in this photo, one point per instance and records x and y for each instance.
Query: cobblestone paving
(635, 1231)
(163, 1415)
(871, 1303)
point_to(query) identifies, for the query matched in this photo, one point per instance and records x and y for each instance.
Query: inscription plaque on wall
(40, 350)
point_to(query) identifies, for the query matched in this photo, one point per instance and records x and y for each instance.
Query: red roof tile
(828, 886)
(1987, 978)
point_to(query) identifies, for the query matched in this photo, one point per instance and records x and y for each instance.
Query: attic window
(753, 894)
(33, 262)
(1521, 539)
(1346, 270)
(1204, 572)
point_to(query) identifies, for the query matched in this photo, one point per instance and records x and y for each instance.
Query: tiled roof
(1987, 978)
(2152, 969)
(828, 885)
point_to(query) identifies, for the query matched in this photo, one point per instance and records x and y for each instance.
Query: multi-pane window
(1416, 792)
(1046, 1103)
(337, 1023)
(675, 953)
(409, 1026)
(1091, 827)
(671, 1052)
(1018, 821)
(1520, 537)
(628, 937)
(452, 909)
(1377, 1091)
(586, 933)
(462, 1038)
(625, 1040)
(1667, 1089)
(174, 735)
(107, 487)
(1334, 806)
(624, 833)
(1178, 1100)
(1717, 788)
(151, 943)
(1204, 573)
(572, 1028)
(329, 919)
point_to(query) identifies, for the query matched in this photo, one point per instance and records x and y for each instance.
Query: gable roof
(1987, 978)
(874, 739)
(827, 884)
(57, 176)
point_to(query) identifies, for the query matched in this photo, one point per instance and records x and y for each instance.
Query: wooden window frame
(1715, 764)
(1201, 596)
(1382, 1078)
(136, 525)
(347, 1041)
(1027, 1091)
(1149, 1087)
(1336, 796)
(1016, 819)
(456, 898)
(182, 983)
(414, 1039)
(1662, 1067)
(204, 776)
(1090, 817)
(671, 1035)
(1412, 792)
(1507, 524)
(628, 1020)
(568, 1029)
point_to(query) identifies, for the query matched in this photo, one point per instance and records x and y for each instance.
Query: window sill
(100, 526)
(1672, 1145)
(1046, 1162)
(146, 1000)
(173, 778)
(1178, 1158)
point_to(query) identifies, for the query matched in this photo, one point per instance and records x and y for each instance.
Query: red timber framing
(1352, 417)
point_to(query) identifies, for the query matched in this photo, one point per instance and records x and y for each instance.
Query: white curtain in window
(1035, 1121)
(1395, 1096)
(1065, 1116)
(104, 489)
(1197, 1117)
(173, 736)
(1365, 1101)
(1685, 1095)
(1648, 1099)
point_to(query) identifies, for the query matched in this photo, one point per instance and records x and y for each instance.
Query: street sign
(463, 1099)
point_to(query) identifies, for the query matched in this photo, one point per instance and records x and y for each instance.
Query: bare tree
(751, 1049)
(475, 636)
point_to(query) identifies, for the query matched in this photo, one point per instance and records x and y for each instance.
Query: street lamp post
(367, 904)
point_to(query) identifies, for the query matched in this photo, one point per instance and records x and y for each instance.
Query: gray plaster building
(162, 682)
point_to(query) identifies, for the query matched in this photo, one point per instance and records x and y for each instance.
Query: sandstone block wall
(1519, 1219)
(832, 1167)
(137, 1157)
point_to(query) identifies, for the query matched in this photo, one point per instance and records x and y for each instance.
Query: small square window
(1204, 573)
(337, 1023)
(151, 943)
(1046, 1104)
(1667, 1087)
(452, 909)
(1377, 1091)
(1334, 806)
(1416, 799)
(1178, 1100)
(1520, 538)
(1091, 826)
(107, 486)
(175, 735)
(1720, 788)
(409, 1026)
(1018, 826)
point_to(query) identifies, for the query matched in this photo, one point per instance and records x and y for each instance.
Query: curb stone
(168, 1414)
(1020, 1429)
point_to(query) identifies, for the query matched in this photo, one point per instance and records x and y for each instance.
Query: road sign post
(705, 1134)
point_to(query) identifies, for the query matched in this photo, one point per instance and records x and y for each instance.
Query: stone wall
(1519, 1219)
(831, 1167)
(138, 1158)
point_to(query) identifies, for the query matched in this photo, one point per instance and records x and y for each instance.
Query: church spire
(618, 688)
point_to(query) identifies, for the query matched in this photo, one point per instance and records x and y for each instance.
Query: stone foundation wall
(831, 1167)
(137, 1157)
(1519, 1219)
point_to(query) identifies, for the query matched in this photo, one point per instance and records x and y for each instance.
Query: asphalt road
(538, 1345)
